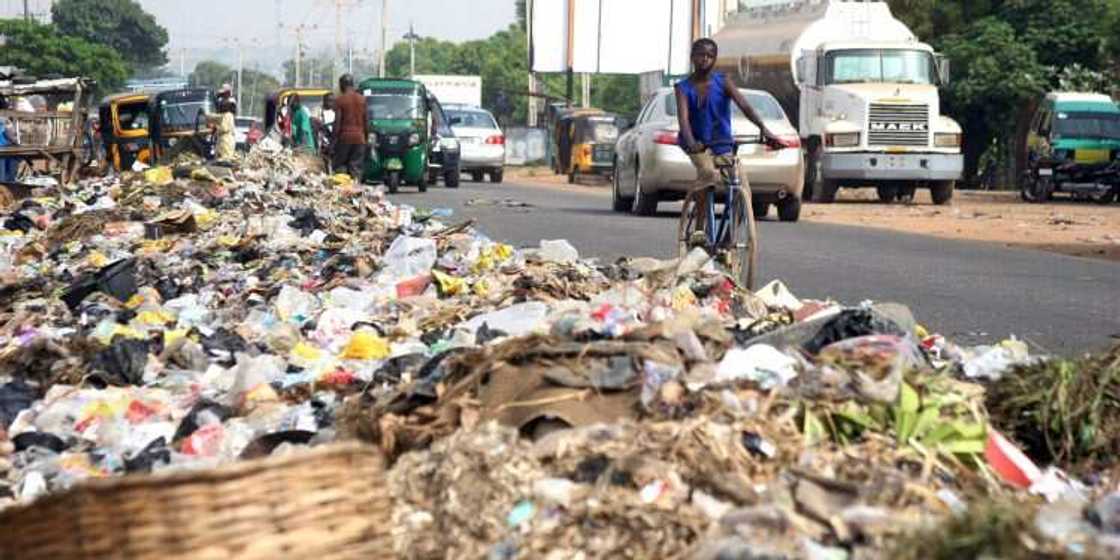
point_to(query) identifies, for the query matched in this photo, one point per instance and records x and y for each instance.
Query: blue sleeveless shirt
(712, 121)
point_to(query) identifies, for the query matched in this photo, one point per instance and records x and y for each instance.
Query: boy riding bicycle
(704, 113)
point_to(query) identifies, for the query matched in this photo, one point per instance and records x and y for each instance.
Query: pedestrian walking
(223, 124)
(351, 129)
(8, 165)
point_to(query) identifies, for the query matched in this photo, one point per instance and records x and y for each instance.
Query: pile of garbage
(531, 403)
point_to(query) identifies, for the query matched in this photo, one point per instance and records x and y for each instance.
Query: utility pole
(337, 39)
(586, 79)
(571, 49)
(26, 12)
(182, 63)
(384, 36)
(412, 38)
(240, 71)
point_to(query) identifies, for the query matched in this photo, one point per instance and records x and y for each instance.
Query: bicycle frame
(716, 231)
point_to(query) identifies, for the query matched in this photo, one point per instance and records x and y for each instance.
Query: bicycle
(730, 236)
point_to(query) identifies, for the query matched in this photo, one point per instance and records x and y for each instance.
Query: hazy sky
(203, 28)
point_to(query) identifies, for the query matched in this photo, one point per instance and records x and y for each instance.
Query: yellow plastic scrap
(683, 298)
(160, 176)
(921, 332)
(97, 260)
(449, 285)
(342, 180)
(228, 240)
(135, 301)
(366, 345)
(481, 288)
(173, 336)
(155, 318)
(206, 219)
(306, 352)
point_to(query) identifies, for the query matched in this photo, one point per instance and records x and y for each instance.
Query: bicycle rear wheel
(741, 241)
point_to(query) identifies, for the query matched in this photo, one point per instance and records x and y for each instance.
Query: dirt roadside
(1062, 226)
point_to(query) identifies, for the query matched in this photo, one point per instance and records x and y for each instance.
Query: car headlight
(372, 139)
(946, 140)
(414, 139)
(843, 140)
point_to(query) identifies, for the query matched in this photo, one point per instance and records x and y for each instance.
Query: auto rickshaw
(123, 121)
(585, 141)
(312, 98)
(177, 121)
(400, 118)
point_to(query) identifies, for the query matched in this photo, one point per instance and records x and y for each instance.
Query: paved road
(972, 292)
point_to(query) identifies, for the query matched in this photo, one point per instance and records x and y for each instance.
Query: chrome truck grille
(898, 125)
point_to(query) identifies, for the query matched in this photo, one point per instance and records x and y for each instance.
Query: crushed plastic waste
(530, 403)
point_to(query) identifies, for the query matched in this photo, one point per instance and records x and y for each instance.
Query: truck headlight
(372, 139)
(843, 140)
(946, 140)
(414, 139)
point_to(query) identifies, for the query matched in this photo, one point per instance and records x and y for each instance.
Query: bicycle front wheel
(691, 224)
(742, 241)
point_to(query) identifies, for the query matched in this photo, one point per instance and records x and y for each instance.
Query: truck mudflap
(896, 167)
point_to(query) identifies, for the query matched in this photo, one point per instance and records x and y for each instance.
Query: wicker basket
(329, 502)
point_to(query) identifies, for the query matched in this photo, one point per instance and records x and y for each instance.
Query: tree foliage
(120, 24)
(42, 51)
(1006, 53)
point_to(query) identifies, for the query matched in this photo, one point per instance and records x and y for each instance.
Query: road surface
(971, 292)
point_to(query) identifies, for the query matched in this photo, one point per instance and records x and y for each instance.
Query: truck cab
(1073, 146)
(874, 117)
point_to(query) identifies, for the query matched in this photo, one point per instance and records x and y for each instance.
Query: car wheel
(942, 192)
(826, 192)
(887, 193)
(451, 179)
(393, 181)
(1104, 198)
(422, 182)
(761, 209)
(789, 210)
(619, 203)
(496, 176)
(645, 204)
(476, 176)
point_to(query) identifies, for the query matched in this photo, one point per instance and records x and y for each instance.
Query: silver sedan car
(651, 168)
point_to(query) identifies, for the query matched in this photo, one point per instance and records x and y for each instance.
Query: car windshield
(133, 116)
(1104, 126)
(894, 66)
(472, 119)
(182, 114)
(402, 104)
(766, 106)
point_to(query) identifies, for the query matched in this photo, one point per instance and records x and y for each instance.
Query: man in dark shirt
(350, 130)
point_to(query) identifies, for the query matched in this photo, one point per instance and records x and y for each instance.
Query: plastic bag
(761, 363)
(516, 320)
(558, 251)
(409, 257)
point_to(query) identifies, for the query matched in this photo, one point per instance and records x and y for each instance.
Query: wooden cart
(53, 137)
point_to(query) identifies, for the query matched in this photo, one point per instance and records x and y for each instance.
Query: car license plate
(1045, 172)
(394, 165)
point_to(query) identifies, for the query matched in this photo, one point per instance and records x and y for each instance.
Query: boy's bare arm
(683, 121)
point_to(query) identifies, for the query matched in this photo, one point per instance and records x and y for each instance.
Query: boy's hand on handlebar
(771, 140)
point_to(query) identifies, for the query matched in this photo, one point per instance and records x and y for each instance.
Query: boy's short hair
(705, 42)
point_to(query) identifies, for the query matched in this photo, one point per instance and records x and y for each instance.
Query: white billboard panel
(611, 36)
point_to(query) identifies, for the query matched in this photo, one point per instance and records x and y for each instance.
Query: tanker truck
(862, 89)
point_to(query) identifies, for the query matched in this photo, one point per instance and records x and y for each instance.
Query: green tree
(41, 50)
(120, 24)
(996, 75)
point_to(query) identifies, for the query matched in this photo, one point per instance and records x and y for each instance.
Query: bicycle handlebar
(735, 142)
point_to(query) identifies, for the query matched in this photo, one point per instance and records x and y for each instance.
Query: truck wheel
(476, 176)
(451, 179)
(1104, 198)
(789, 210)
(496, 175)
(393, 181)
(886, 193)
(942, 192)
(761, 209)
(827, 191)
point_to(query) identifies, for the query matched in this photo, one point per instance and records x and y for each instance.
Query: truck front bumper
(894, 167)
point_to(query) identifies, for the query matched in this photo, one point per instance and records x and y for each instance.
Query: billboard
(611, 36)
